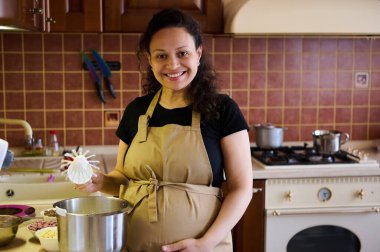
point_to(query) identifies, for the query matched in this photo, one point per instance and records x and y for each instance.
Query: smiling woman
(174, 58)
(176, 143)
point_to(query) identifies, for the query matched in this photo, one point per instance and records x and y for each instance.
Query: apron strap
(137, 190)
(195, 121)
(142, 132)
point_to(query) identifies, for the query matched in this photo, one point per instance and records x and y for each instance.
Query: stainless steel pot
(328, 141)
(268, 136)
(92, 223)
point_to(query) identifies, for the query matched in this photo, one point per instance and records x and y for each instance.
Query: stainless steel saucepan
(328, 141)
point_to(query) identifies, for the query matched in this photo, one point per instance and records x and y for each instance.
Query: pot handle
(60, 211)
(346, 139)
(22, 219)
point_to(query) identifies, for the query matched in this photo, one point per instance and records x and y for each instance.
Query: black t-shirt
(231, 120)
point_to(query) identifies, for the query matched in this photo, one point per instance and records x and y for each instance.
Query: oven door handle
(323, 211)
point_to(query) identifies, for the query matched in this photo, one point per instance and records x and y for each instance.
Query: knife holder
(113, 65)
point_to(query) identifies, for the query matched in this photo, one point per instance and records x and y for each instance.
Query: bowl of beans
(40, 224)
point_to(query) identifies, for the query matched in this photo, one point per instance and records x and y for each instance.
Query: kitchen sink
(16, 188)
(32, 179)
(38, 180)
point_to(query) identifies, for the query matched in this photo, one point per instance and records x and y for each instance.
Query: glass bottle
(54, 146)
(38, 147)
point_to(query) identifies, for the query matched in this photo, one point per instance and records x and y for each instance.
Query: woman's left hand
(188, 245)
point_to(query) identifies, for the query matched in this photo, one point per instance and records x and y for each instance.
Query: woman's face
(174, 58)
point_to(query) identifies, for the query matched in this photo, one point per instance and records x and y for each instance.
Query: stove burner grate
(300, 155)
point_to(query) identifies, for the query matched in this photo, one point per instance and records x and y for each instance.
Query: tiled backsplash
(302, 83)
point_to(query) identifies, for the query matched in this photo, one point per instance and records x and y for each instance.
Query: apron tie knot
(137, 190)
(153, 185)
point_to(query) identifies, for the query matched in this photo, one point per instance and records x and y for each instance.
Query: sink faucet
(27, 127)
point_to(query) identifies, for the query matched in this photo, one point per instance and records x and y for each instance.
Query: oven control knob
(360, 194)
(289, 195)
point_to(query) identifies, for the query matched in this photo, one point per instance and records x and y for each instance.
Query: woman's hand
(187, 245)
(94, 184)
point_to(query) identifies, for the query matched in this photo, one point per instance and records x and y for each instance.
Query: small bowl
(8, 228)
(49, 214)
(39, 224)
(48, 238)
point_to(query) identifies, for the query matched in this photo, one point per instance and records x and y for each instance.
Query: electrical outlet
(361, 79)
(111, 118)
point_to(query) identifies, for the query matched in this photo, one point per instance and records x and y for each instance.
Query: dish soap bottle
(54, 146)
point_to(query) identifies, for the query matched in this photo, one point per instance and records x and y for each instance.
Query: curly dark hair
(203, 89)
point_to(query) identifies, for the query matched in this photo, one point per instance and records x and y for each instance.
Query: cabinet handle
(256, 190)
(50, 20)
(35, 11)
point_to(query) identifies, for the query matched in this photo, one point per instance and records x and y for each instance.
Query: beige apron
(170, 185)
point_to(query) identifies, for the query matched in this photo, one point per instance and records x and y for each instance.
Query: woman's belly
(181, 215)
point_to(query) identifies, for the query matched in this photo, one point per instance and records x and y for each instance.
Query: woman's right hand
(93, 185)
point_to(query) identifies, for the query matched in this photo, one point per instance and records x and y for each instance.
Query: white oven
(340, 214)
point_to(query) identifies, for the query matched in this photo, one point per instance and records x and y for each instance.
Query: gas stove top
(300, 155)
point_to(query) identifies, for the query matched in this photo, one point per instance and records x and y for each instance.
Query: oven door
(312, 230)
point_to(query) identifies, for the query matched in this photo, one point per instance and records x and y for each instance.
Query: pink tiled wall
(302, 83)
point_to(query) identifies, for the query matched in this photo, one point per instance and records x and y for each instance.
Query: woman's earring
(199, 63)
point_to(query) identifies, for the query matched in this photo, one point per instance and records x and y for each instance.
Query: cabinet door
(22, 14)
(74, 15)
(248, 233)
(134, 15)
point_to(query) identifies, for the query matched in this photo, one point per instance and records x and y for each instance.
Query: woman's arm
(109, 183)
(238, 168)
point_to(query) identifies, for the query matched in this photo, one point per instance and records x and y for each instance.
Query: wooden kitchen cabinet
(22, 14)
(134, 15)
(74, 15)
(248, 234)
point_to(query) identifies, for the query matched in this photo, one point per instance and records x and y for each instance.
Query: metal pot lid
(325, 132)
(266, 126)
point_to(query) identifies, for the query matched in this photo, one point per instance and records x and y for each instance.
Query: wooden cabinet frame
(248, 233)
(134, 15)
(74, 15)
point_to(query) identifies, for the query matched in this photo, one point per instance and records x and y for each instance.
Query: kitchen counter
(25, 241)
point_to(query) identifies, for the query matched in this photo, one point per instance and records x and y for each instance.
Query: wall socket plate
(361, 79)
(111, 118)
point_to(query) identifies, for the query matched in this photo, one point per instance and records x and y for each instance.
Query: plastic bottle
(54, 146)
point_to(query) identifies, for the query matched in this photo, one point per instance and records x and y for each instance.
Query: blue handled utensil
(106, 72)
(94, 77)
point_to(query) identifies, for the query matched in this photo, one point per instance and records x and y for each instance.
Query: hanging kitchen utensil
(94, 77)
(106, 72)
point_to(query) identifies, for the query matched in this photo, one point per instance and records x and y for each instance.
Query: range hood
(339, 17)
